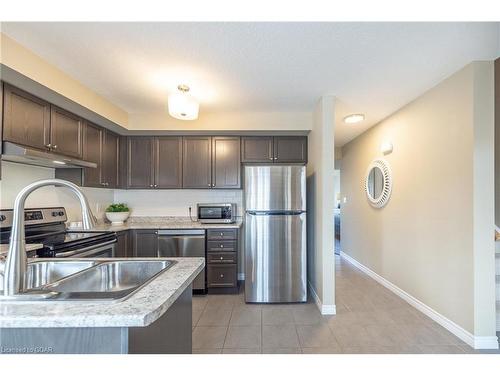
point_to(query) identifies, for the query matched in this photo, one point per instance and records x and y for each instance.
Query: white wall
(17, 176)
(434, 239)
(223, 121)
(320, 205)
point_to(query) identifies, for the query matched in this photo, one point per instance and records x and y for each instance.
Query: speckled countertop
(165, 222)
(140, 309)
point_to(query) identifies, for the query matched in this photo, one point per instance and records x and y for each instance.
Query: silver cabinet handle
(209, 185)
(221, 276)
(221, 245)
(151, 185)
(54, 147)
(271, 158)
(221, 258)
(156, 185)
(48, 145)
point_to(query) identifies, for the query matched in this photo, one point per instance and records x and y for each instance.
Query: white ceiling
(373, 68)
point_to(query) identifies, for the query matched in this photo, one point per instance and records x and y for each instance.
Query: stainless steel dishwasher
(184, 243)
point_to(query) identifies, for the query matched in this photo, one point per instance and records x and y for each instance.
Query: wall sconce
(386, 147)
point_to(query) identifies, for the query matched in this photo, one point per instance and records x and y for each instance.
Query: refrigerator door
(275, 188)
(275, 258)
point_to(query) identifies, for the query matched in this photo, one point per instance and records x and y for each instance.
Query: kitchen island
(155, 319)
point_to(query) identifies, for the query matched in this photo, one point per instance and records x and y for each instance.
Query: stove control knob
(2, 217)
(61, 213)
(54, 213)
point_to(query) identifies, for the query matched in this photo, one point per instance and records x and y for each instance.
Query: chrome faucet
(16, 262)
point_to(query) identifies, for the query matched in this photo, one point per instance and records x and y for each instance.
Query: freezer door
(278, 188)
(275, 258)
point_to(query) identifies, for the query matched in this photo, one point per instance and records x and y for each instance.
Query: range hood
(25, 155)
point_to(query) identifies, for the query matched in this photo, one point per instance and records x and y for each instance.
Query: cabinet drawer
(222, 234)
(221, 276)
(222, 246)
(229, 257)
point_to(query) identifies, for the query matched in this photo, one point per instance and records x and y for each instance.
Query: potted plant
(117, 213)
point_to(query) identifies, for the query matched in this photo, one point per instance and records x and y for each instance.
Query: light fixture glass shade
(183, 106)
(354, 118)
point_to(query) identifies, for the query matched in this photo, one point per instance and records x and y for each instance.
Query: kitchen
(149, 209)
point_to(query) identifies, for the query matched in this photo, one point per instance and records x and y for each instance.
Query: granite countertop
(4, 248)
(139, 310)
(159, 223)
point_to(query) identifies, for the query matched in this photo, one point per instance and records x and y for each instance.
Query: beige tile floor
(370, 319)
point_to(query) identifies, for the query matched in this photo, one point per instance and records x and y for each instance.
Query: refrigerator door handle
(275, 213)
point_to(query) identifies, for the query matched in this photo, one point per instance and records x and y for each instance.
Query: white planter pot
(117, 218)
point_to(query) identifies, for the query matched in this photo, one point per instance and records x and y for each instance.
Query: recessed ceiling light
(58, 162)
(182, 106)
(354, 118)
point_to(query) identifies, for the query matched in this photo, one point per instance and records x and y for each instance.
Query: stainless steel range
(47, 226)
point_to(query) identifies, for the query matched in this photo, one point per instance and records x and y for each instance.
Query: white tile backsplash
(175, 202)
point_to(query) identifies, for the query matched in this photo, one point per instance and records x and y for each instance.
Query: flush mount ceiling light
(354, 118)
(181, 105)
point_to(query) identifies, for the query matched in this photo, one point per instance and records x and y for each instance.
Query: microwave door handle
(85, 250)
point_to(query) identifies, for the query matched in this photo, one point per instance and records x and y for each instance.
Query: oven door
(102, 250)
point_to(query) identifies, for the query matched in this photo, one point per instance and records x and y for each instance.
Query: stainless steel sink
(40, 273)
(83, 280)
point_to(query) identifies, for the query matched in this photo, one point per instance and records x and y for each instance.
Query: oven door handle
(86, 251)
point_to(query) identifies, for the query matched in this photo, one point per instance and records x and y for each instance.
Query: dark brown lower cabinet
(123, 248)
(145, 243)
(222, 260)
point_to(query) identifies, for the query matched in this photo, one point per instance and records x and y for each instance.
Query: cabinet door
(257, 149)
(122, 245)
(26, 119)
(290, 149)
(226, 166)
(65, 132)
(92, 151)
(122, 162)
(146, 243)
(168, 162)
(140, 163)
(197, 163)
(110, 159)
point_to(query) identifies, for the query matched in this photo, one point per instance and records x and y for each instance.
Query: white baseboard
(477, 342)
(241, 276)
(324, 309)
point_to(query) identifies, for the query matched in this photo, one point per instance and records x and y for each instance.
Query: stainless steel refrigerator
(275, 234)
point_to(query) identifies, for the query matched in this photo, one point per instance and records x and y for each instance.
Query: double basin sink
(87, 280)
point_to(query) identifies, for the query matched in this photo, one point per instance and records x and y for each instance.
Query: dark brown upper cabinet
(122, 162)
(168, 162)
(257, 149)
(110, 161)
(65, 132)
(92, 151)
(26, 119)
(279, 149)
(140, 167)
(197, 162)
(226, 166)
(290, 149)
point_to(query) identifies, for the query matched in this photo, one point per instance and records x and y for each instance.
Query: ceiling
(372, 68)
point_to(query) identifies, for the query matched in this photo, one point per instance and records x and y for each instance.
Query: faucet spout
(15, 264)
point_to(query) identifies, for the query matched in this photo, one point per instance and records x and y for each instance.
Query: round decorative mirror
(378, 183)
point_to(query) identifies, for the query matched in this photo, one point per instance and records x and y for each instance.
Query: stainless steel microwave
(216, 213)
